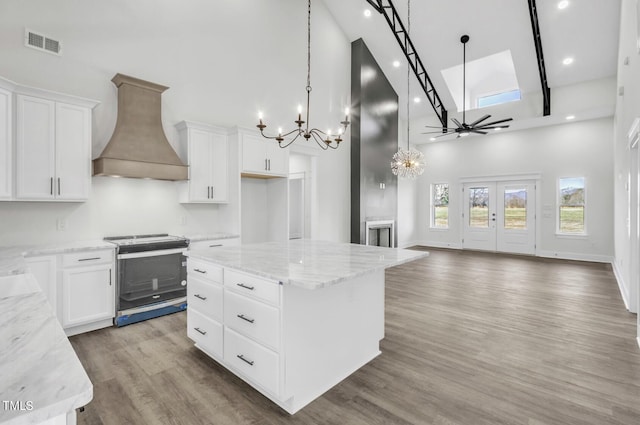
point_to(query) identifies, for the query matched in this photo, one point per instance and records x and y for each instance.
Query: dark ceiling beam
(535, 26)
(386, 8)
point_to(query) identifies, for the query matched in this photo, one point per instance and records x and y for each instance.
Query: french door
(499, 216)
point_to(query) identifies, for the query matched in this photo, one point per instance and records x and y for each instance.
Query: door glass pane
(479, 207)
(515, 208)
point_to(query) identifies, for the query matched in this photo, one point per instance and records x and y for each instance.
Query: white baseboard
(624, 289)
(594, 258)
(438, 244)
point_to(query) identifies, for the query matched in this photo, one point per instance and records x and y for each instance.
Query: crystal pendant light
(408, 163)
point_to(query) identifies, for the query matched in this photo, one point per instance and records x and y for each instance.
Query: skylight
(497, 99)
(491, 80)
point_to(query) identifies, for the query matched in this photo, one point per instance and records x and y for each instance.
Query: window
(440, 205)
(571, 205)
(497, 99)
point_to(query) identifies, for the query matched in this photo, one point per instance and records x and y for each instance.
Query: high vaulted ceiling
(586, 30)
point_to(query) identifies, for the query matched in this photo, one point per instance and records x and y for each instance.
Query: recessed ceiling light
(498, 128)
(417, 99)
(433, 139)
(570, 117)
(567, 61)
(563, 4)
(396, 64)
(367, 13)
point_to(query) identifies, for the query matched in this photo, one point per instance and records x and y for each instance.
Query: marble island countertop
(307, 263)
(41, 373)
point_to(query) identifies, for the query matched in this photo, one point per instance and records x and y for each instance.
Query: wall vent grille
(42, 42)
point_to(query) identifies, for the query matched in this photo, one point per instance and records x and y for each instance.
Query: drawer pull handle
(200, 297)
(200, 271)
(245, 318)
(215, 246)
(88, 259)
(242, 285)
(241, 357)
(200, 331)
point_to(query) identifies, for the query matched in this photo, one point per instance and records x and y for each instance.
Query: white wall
(627, 109)
(574, 149)
(223, 61)
(408, 228)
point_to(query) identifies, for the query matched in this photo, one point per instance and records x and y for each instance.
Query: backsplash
(116, 206)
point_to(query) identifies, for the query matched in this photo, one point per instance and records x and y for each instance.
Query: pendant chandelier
(408, 163)
(326, 139)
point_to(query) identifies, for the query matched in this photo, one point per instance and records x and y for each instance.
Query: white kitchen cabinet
(205, 149)
(213, 243)
(53, 149)
(262, 157)
(88, 290)
(6, 142)
(44, 269)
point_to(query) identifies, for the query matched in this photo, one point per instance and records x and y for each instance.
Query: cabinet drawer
(257, 363)
(263, 289)
(205, 332)
(87, 257)
(252, 318)
(213, 243)
(206, 297)
(204, 270)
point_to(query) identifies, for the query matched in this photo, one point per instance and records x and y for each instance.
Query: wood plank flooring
(471, 338)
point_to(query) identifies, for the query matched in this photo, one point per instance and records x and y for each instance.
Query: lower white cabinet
(214, 243)
(87, 295)
(80, 287)
(44, 268)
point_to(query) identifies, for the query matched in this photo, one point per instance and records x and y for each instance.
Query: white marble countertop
(211, 236)
(307, 263)
(37, 363)
(12, 257)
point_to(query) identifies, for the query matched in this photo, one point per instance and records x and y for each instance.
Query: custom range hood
(139, 147)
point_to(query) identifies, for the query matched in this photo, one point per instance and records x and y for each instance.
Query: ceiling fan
(479, 126)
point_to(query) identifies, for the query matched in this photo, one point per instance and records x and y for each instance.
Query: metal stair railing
(386, 8)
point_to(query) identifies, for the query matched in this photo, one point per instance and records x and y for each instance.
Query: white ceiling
(586, 30)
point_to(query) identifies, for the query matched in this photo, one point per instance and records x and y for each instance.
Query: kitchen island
(292, 318)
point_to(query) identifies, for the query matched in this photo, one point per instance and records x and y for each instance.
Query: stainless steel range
(151, 277)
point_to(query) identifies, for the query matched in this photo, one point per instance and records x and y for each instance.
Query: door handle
(265, 164)
(51, 186)
(59, 186)
(269, 165)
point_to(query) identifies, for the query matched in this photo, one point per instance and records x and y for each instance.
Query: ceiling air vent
(42, 42)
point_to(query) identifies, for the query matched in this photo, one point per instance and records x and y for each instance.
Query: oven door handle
(153, 253)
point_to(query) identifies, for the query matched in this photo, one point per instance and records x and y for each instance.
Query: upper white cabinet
(262, 157)
(205, 148)
(6, 139)
(53, 150)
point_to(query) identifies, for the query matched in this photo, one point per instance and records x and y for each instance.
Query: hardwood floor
(471, 338)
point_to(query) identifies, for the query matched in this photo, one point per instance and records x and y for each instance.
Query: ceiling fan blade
(484, 127)
(473, 130)
(439, 126)
(478, 121)
(495, 122)
(448, 131)
(456, 122)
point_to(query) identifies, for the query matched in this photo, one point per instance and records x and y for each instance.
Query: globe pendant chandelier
(326, 139)
(408, 163)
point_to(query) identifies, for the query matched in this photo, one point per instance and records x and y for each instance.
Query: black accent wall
(374, 140)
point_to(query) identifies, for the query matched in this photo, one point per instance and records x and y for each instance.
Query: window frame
(432, 206)
(559, 232)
